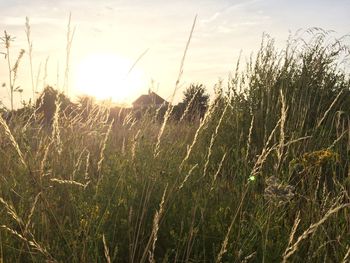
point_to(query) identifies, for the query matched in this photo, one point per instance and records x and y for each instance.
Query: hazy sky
(128, 28)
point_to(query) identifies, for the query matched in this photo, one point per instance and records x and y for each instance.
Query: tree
(195, 101)
(47, 102)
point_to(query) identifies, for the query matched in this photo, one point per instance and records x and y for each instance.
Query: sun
(108, 76)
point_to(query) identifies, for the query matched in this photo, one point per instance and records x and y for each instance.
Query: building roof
(150, 99)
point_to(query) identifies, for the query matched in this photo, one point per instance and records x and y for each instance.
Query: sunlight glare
(105, 76)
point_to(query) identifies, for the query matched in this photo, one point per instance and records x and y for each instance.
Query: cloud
(210, 19)
(238, 17)
(243, 4)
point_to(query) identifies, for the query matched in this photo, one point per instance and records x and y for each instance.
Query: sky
(113, 34)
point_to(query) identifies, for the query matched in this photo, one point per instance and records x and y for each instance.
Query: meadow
(264, 176)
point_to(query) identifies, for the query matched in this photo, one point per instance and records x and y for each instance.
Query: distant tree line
(193, 106)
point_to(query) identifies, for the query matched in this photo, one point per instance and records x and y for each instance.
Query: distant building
(150, 100)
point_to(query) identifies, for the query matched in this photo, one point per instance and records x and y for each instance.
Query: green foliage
(264, 177)
(195, 101)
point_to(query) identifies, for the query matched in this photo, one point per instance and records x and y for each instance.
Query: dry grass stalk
(38, 77)
(337, 140)
(284, 110)
(56, 137)
(14, 232)
(128, 119)
(155, 229)
(77, 164)
(249, 141)
(29, 121)
(87, 161)
(346, 258)
(25, 234)
(151, 245)
(188, 106)
(297, 140)
(218, 171)
(249, 257)
(329, 109)
(188, 175)
(134, 145)
(192, 235)
(12, 70)
(291, 249)
(15, 68)
(69, 182)
(123, 147)
(200, 127)
(265, 152)
(103, 147)
(294, 229)
(136, 61)
(170, 107)
(70, 35)
(7, 39)
(44, 159)
(30, 51)
(106, 250)
(212, 140)
(11, 211)
(161, 131)
(31, 212)
(42, 250)
(223, 249)
(33, 243)
(12, 140)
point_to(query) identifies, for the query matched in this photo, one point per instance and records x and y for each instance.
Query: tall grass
(264, 176)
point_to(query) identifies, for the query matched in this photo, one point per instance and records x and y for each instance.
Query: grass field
(262, 177)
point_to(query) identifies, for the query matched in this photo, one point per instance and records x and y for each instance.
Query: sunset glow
(110, 36)
(108, 76)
